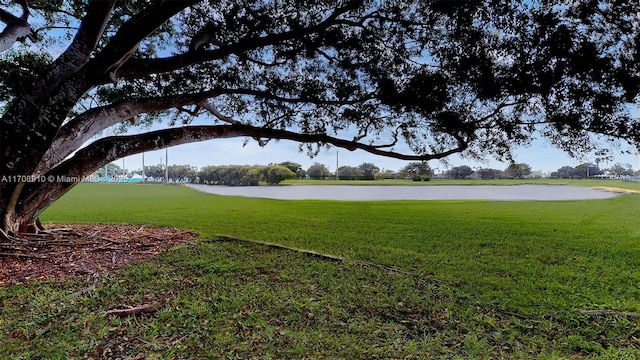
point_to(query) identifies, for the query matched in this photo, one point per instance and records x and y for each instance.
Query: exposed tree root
(42, 234)
(52, 326)
(27, 244)
(20, 255)
(83, 291)
(31, 245)
(278, 246)
(143, 309)
(6, 237)
(61, 252)
(326, 256)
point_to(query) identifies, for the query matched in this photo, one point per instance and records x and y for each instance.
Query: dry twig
(146, 309)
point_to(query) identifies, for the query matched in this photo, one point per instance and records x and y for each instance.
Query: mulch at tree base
(74, 250)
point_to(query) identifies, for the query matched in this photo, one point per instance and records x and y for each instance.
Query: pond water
(390, 192)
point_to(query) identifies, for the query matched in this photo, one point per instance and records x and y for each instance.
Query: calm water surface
(390, 192)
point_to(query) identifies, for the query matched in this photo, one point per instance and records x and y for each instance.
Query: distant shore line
(525, 192)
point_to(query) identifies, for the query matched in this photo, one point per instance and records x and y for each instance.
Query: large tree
(369, 170)
(154, 171)
(619, 170)
(181, 172)
(347, 172)
(486, 173)
(459, 172)
(318, 171)
(417, 170)
(517, 170)
(432, 77)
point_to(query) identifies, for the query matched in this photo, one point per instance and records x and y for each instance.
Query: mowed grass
(490, 279)
(528, 255)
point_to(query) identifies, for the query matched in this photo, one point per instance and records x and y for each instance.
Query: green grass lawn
(493, 279)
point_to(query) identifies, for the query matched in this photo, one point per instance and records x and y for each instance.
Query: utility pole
(143, 175)
(337, 165)
(166, 166)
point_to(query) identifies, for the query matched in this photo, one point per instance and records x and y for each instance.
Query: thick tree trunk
(12, 220)
(19, 224)
(21, 215)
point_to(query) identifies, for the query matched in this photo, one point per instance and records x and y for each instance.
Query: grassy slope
(540, 259)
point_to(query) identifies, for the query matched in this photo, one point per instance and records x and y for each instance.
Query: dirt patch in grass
(70, 251)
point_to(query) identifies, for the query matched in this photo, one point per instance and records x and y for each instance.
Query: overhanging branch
(80, 129)
(106, 150)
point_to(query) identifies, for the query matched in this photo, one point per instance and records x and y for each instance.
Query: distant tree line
(365, 171)
(522, 170)
(588, 170)
(110, 169)
(580, 171)
(242, 175)
(235, 175)
(417, 171)
(513, 171)
(175, 173)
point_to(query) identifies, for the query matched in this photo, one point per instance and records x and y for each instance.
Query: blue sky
(540, 156)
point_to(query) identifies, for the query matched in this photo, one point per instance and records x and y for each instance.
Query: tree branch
(106, 150)
(16, 28)
(77, 54)
(136, 68)
(80, 129)
(228, 119)
(146, 308)
(125, 42)
(270, 96)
